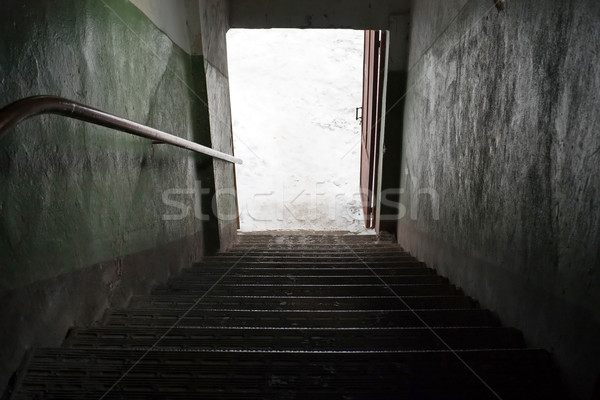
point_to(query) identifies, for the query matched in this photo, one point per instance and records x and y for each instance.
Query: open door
(373, 79)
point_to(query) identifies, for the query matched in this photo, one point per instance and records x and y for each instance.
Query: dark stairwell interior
(489, 150)
(320, 317)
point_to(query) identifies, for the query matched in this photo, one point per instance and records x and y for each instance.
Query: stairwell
(291, 316)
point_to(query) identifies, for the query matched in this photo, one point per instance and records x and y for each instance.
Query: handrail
(28, 107)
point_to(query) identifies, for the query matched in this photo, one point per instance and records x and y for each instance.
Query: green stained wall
(75, 197)
(73, 194)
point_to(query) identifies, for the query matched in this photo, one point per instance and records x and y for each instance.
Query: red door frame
(373, 79)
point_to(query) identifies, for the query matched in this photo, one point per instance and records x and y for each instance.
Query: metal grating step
(318, 259)
(296, 339)
(299, 318)
(317, 316)
(313, 290)
(258, 246)
(367, 278)
(302, 271)
(242, 263)
(304, 303)
(77, 374)
(325, 253)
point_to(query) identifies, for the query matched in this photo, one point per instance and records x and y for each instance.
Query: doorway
(294, 95)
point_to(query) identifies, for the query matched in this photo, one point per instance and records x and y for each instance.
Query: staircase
(286, 317)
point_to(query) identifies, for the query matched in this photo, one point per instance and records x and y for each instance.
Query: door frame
(373, 104)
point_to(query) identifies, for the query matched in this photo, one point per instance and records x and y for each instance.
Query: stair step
(296, 339)
(313, 258)
(282, 237)
(79, 374)
(312, 290)
(297, 318)
(238, 264)
(366, 278)
(388, 302)
(303, 271)
(311, 253)
(268, 244)
(279, 316)
(339, 249)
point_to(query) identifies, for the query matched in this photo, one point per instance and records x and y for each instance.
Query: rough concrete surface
(40, 314)
(501, 126)
(178, 19)
(80, 204)
(393, 118)
(214, 17)
(344, 14)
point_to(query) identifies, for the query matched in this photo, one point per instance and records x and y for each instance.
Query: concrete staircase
(286, 317)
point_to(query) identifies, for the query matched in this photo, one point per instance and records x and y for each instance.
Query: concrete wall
(388, 195)
(178, 19)
(214, 17)
(81, 206)
(349, 14)
(501, 126)
(200, 27)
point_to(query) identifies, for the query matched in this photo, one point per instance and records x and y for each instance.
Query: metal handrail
(28, 107)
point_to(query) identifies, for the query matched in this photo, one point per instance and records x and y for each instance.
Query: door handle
(357, 117)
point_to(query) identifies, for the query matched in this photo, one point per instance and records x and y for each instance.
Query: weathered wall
(200, 27)
(348, 14)
(178, 19)
(502, 123)
(214, 22)
(392, 120)
(81, 206)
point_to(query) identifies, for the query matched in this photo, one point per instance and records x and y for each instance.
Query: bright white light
(293, 97)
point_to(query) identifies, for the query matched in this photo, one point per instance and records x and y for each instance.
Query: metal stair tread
(317, 316)
(259, 375)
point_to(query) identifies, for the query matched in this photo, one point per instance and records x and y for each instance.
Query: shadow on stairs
(296, 316)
